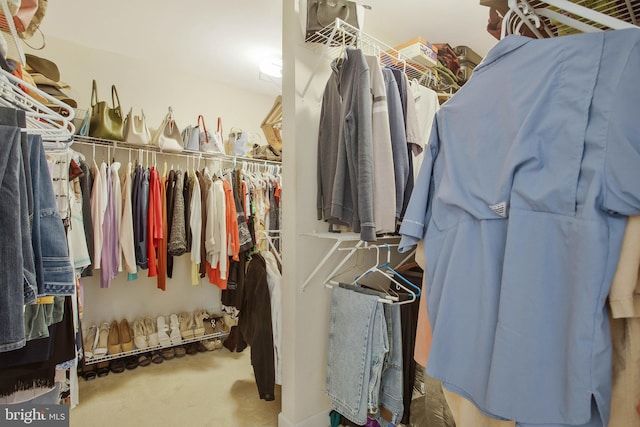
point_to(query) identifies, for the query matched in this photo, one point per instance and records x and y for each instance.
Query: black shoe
(131, 362)
(117, 366)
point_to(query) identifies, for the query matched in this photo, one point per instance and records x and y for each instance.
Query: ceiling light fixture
(272, 67)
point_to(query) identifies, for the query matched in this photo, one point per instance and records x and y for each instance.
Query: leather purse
(168, 137)
(211, 142)
(106, 122)
(321, 13)
(136, 130)
(191, 138)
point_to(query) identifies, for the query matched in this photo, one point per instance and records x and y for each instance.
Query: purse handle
(94, 93)
(114, 98)
(204, 127)
(220, 126)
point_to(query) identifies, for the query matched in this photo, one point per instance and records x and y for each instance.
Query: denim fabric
(357, 344)
(386, 385)
(14, 224)
(54, 271)
(391, 392)
(17, 118)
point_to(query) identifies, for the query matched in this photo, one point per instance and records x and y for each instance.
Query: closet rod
(89, 141)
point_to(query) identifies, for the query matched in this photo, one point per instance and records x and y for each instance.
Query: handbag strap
(94, 93)
(220, 126)
(204, 127)
(114, 97)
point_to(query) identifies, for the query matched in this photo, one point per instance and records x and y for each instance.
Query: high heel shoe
(140, 334)
(175, 336)
(100, 348)
(114, 338)
(186, 325)
(152, 332)
(89, 342)
(163, 335)
(125, 336)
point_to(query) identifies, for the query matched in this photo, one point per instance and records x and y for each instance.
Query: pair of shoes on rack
(156, 357)
(169, 337)
(218, 326)
(89, 342)
(119, 337)
(200, 330)
(191, 348)
(212, 344)
(145, 334)
(191, 325)
(168, 353)
(143, 359)
(180, 351)
(88, 372)
(102, 368)
(100, 343)
(117, 366)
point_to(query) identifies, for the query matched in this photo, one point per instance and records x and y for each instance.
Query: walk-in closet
(309, 213)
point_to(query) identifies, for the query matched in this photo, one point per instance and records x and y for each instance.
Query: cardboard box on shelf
(419, 51)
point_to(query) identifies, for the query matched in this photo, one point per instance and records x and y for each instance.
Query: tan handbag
(136, 130)
(168, 137)
(106, 122)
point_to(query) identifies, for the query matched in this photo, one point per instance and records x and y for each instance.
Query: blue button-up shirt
(530, 172)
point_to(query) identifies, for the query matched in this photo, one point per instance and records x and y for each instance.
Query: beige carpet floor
(213, 389)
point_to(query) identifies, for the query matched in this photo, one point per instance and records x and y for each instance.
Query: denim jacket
(54, 271)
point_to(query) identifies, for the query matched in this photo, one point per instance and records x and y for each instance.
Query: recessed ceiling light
(272, 67)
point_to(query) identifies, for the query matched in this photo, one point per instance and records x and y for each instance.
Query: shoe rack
(218, 335)
(145, 337)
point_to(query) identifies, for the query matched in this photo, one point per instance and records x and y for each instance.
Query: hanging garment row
(139, 219)
(38, 283)
(371, 116)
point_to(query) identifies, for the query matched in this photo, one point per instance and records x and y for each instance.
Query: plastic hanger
(385, 269)
(41, 119)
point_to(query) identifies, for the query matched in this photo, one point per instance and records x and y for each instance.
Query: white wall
(305, 315)
(153, 87)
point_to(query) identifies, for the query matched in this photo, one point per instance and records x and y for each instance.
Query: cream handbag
(136, 130)
(168, 137)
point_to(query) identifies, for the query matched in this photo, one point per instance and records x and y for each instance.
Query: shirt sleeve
(622, 159)
(418, 212)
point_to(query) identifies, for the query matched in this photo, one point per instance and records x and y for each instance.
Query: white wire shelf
(90, 141)
(108, 357)
(564, 17)
(336, 37)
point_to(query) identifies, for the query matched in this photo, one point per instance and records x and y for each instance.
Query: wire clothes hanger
(389, 273)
